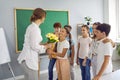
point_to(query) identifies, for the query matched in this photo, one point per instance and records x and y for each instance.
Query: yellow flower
(52, 38)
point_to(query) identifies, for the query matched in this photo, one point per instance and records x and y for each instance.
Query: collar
(35, 24)
(101, 40)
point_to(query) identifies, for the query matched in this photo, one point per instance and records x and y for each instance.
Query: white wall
(78, 9)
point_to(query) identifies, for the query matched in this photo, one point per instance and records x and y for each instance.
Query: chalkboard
(4, 53)
(22, 20)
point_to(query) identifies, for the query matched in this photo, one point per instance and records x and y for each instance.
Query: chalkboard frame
(26, 9)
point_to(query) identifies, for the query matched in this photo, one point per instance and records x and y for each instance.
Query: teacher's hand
(48, 46)
(49, 51)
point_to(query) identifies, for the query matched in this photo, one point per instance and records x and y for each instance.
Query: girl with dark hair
(71, 51)
(94, 28)
(92, 52)
(62, 62)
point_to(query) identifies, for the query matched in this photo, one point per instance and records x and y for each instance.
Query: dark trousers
(50, 68)
(85, 70)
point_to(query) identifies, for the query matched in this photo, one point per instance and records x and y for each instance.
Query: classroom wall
(78, 9)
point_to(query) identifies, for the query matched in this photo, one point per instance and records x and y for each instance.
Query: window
(118, 19)
(112, 16)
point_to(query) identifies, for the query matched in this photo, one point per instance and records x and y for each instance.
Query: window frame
(118, 19)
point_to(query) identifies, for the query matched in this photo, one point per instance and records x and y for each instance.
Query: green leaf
(118, 49)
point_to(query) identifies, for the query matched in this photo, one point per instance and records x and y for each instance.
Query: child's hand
(90, 64)
(77, 61)
(49, 52)
(109, 40)
(84, 63)
(106, 40)
(50, 56)
(54, 55)
(71, 62)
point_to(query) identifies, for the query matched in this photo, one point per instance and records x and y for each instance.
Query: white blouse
(61, 46)
(32, 47)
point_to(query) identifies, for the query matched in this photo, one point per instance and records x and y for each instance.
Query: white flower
(89, 19)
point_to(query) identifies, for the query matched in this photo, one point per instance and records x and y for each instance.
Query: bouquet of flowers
(52, 38)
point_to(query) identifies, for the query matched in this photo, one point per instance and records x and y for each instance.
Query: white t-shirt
(103, 50)
(60, 46)
(84, 46)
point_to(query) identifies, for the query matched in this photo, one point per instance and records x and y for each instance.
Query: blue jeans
(50, 68)
(85, 70)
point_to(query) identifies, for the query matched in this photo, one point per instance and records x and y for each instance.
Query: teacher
(31, 48)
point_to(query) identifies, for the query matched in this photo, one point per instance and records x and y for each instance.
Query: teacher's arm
(35, 40)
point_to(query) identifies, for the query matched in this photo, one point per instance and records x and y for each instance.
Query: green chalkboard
(22, 20)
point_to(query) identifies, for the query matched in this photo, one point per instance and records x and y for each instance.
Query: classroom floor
(116, 66)
(44, 76)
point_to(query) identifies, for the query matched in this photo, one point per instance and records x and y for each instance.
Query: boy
(52, 61)
(104, 51)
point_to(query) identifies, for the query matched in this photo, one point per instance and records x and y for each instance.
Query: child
(62, 63)
(104, 51)
(71, 51)
(52, 61)
(93, 55)
(82, 53)
(94, 45)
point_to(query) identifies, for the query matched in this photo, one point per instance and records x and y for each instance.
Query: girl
(82, 53)
(62, 62)
(94, 44)
(71, 51)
